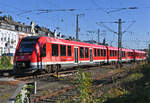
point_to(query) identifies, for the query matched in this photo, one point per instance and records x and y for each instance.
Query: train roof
(138, 51)
(32, 37)
(70, 42)
(112, 48)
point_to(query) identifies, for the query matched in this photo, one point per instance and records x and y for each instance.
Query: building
(11, 32)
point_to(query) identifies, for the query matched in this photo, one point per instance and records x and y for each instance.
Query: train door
(42, 55)
(108, 53)
(76, 57)
(91, 55)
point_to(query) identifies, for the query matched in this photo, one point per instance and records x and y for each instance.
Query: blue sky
(137, 36)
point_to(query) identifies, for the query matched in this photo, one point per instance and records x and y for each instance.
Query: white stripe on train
(72, 62)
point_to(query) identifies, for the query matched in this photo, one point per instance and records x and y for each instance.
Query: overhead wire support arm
(102, 24)
(128, 27)
(119, 33)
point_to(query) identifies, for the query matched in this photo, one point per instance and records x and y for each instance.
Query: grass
(133, 77)
(135, 88)
(45, 92)
(5, 96)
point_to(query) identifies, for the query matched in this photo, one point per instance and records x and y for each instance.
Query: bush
(84, 85)
(5, 62)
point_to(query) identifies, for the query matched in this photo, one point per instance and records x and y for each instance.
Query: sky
(134, 14)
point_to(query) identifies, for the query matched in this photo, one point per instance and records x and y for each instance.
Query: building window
(28, 30)
(98, 52)
(69, 50)
(23, 29)
(19, 29)
(16, 27)
(3, 25)
(81, 52)
(62, 50)
(54, 49)
(95, 54)
(12, 27)
(86, 52)
(5, 39)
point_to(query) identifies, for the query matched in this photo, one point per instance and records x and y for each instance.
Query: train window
(115, 52)
(54, 49)
(110, 53)
(128, 53)
(121, 54)
(81, 52)
(62, 50)
(102, 53)
(95, 54)
(124, 54)
(43, 51)
(98, 52)
(69, 50)
(86, 52)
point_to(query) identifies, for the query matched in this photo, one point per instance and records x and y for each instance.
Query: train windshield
(26, 47)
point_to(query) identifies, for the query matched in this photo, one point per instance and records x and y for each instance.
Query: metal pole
(77, 27)
(119, 42)
(35, 87)
(98, 35)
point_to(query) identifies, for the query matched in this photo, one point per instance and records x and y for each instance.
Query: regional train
(51, 54)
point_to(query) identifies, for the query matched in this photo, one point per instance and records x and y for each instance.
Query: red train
(35, 52)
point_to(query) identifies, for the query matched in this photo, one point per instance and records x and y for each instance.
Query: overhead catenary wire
(106, 10)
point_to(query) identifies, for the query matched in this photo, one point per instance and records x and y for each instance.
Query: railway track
(33, 77)
(72, 92)
(103, 77)
(63, 73)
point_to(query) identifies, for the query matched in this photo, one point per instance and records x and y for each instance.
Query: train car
(50, 54)
(112, 54)
(129, 55)
(139, 55)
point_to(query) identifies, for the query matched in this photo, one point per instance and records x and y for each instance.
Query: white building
(8, 41)
(11, 32)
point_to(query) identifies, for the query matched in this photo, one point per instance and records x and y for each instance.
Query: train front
(25, 54)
